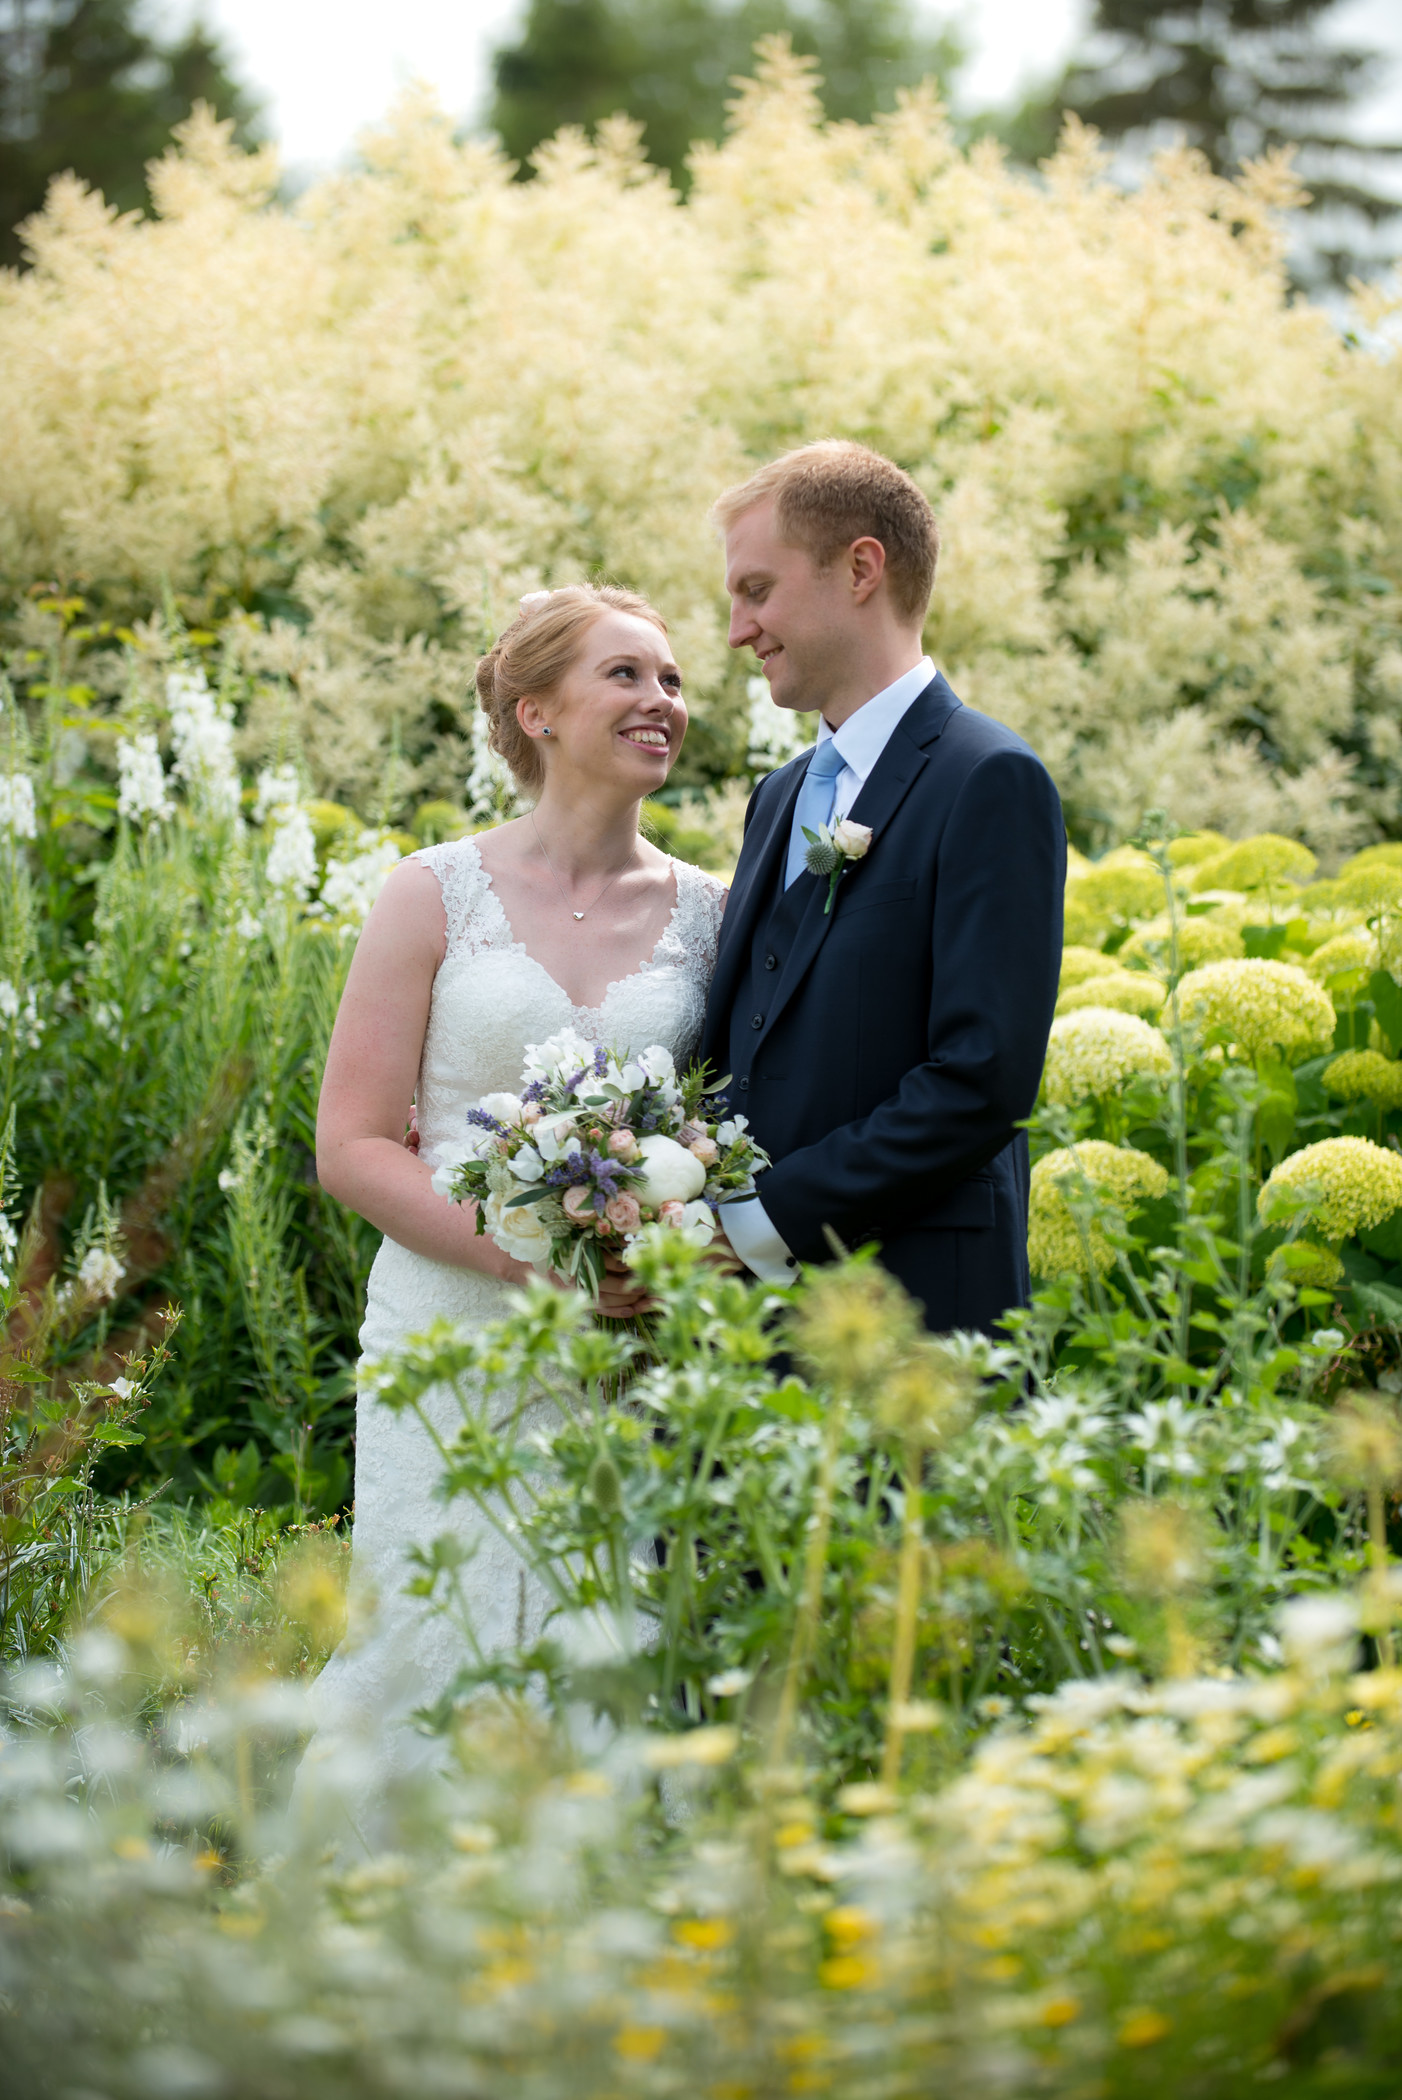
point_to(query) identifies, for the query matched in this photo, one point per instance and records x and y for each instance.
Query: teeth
(647, 736)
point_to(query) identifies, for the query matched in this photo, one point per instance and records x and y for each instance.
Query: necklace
(561, 887)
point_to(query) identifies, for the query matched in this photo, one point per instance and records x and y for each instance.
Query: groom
(885, 1050)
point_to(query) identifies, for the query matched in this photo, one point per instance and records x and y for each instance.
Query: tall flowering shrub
(351, 430)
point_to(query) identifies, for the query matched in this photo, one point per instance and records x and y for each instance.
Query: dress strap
(700, 905)
(463, 880)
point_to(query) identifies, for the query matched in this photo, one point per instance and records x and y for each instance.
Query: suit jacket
(886, 1052)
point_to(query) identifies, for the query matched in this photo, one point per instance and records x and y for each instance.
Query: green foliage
(671, 65)
(89, 89)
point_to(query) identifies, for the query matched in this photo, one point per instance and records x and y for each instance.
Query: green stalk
(810, 1599)
(907, 1613)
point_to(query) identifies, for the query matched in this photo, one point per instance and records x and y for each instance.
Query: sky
(327, 68)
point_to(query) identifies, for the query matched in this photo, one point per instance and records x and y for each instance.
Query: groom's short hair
(835, 491)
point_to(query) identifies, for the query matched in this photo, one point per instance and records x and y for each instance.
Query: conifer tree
(86, 85)
(1234, 78)
(669, 63)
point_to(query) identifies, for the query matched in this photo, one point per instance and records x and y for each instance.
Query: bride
(563, 918)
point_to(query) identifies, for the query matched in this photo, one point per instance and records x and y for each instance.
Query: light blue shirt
(861, 740)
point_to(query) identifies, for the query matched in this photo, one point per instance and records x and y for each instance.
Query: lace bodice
(491, 998)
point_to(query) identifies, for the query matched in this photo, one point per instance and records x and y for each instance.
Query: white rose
(518, 1231)
(851, 840)
(505, 1107)
(671, 1174)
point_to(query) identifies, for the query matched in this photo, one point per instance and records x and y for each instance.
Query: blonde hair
(828, 494)
(532, 656)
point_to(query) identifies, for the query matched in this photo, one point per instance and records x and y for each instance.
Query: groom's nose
(744, 627)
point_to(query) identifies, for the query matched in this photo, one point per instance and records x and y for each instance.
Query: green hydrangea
(1127, 991)
(1265, 862)
(1365, 1075)
(1119, 890)
(1200, 940)
(1259, 1007)
(1352, 952)
(1077, 964)
(1385, 856)
(1056, 1243)
(1308, 1267)
(1346, 1185)
(1094, 1052)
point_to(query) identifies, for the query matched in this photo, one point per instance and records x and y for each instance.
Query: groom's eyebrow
(750, 581)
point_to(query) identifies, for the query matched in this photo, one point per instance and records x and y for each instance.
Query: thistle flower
(1095, 1051)
(1116, 1175)
(1265, 862)
(1163, 1549)
(1344, 1184)
(1365, 1075)
(855, 1325)
(927, 1393)
(1259, 1006)
(1123, 991)
(1363, 1443)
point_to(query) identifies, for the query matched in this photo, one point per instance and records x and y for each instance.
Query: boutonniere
(832, 849)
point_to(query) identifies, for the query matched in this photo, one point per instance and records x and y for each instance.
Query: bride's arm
(372, 1068)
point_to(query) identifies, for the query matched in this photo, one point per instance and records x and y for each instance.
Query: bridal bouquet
(593, 1148)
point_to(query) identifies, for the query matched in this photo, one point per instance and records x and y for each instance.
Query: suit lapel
(883, 791)
(766, 842)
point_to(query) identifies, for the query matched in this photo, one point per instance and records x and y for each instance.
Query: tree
(84, 86)
(669, 63)
(1235, 78)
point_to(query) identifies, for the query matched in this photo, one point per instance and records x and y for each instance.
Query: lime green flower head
(1118, 889)
(1127, 991)
(1344, 1184)
(1266, 862)
(1116, 1174)
(1365, 1075)
(1200, 940)
(1307, 1267)
(1384, 856)
(1077, 964)
(1375, 889)
(1350, 954)
(1195, 846)
(1259, 1006)
(1095, 1051)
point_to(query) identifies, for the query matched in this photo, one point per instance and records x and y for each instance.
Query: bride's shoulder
(700, 901)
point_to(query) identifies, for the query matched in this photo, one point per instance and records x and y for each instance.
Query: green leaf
(1264, 941)
(1386, 995)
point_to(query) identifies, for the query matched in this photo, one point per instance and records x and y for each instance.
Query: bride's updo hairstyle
(531, 657)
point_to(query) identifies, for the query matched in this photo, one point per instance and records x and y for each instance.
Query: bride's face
(619, 712)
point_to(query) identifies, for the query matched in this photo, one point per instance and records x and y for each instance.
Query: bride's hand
(621, 1295)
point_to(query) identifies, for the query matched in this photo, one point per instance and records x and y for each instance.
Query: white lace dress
(490, 999)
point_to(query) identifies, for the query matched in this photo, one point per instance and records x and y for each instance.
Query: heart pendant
(577, 915)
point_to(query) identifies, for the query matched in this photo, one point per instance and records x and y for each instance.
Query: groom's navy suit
(885, 1052)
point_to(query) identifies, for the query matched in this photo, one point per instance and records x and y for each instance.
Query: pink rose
(704, 1149)
(623, 1145)
(579, 1205)
(690, 1132)
(623, 1213)
(530, 1112)
(671, 1212)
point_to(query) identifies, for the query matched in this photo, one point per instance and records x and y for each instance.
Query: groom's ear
(865, 562)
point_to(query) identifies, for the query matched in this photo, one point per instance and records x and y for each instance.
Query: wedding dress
(490, 999)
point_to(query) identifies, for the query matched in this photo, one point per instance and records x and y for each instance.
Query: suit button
(758, 1021)
(771, 962)
(744, 1086)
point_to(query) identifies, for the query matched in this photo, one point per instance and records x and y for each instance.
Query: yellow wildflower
(1365, 1075)
(1118, 1175)
(1095, 1051)
(639, 2045)
(1265, 862)
(1140, 2028)
(707, 1935)
(1346, 1185)
(1124, 991)
(1259, 1006)
(846, 1972)
(1060, 2011)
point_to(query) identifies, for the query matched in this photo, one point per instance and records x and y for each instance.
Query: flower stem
(907, 1614)
(810, 1598)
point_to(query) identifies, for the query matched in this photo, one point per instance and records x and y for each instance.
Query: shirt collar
(864, 735)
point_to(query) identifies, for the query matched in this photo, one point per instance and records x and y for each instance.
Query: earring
(545, 732)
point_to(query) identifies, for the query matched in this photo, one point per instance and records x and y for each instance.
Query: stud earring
(545, 732)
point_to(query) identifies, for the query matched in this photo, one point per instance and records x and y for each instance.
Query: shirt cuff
(754, 1239)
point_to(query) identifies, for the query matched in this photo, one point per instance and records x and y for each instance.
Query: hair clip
(534, 599)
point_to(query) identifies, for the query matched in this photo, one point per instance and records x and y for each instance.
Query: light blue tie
(815, 801)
